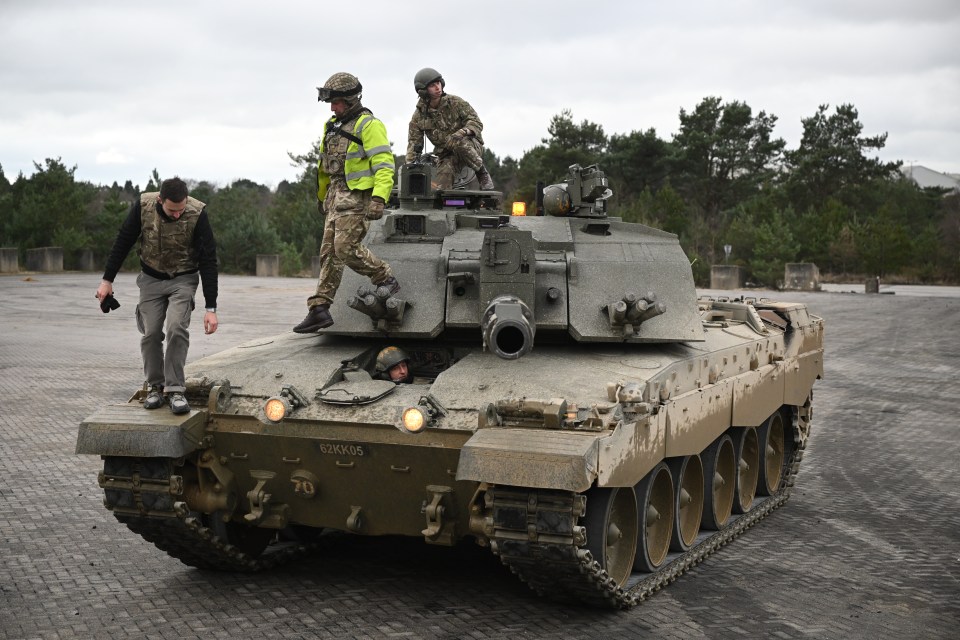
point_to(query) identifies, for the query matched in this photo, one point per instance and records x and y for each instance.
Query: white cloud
(216, 94)
(112, 156)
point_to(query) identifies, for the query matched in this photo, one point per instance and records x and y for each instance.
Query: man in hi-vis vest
(177, 251)
(355, 178)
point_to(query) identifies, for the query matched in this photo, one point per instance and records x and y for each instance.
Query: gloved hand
(375, 210)
(320, 207)
(459, 135)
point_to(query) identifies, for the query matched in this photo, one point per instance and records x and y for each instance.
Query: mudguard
(530, 458)
(131, 430)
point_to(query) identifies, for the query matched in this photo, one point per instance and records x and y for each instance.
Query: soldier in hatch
(393, 364)
(355, 178)
(452, 125)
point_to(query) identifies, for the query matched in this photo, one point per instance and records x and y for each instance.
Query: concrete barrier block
(85, 260)
(268, 265)
(801, 276)
(726, 276)
(45, 259)
(872, 285)
(9, 260)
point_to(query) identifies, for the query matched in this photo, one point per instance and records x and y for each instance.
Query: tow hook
(439, 530)
(262, 512)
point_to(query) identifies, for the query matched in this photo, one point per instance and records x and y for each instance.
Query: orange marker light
(276, 409)
(413, 420)
(519, 208)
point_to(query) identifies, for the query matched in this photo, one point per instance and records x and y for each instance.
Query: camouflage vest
(333, 151)
(167, 247)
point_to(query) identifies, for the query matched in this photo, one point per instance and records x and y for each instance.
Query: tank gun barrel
(507, 327)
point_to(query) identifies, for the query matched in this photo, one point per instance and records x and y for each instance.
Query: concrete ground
(867, 547)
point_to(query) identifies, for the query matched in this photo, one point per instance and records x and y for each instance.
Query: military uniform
(354, 181)
(350, 174)
(444, 127)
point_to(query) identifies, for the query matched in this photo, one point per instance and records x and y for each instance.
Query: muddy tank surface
(571, 405)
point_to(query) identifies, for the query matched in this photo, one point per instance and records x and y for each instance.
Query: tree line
(723, 179)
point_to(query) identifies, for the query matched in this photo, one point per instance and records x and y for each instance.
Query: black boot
(486, 182)
(317, 318)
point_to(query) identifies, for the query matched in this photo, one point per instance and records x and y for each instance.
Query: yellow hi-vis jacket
(370, 165)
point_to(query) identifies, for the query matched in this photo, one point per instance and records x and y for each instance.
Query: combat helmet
(340, 85)
(390, 357)
(425, 77)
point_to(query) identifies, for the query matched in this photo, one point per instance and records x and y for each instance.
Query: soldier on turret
(452, 125)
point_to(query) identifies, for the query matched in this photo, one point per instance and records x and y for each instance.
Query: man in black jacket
(177, 251)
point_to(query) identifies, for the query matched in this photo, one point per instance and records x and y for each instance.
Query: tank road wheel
(655, 507)
(688, 501)
(770, 439)
(250, 540)
(611, 524)
(719, 482)
(748, 467)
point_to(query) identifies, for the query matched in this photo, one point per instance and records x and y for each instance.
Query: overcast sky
(224, 90)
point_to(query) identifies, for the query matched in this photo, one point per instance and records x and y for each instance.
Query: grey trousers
(170, 301)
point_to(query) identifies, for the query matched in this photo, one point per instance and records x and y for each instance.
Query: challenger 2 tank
(573, 406)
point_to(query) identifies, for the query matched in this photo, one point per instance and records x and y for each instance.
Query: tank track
(140, 497)
(536, 536)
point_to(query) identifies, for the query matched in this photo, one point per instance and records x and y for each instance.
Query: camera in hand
(109, 303)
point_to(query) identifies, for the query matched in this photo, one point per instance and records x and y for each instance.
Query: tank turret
(576, 273)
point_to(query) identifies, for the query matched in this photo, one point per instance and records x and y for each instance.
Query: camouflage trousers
(466, 152)
(343, 246)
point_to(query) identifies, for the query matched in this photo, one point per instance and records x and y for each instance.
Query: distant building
(925, 177)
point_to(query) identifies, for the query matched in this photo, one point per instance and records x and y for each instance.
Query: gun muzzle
(508, 327)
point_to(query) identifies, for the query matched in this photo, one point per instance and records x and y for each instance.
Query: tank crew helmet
(424, 78)
(390, 357)
(340, 85)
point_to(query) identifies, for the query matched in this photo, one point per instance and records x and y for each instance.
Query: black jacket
(203, 243)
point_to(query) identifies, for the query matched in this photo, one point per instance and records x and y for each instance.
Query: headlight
(276, 409)
(414, 419)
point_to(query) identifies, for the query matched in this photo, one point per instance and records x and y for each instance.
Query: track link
(141, 491)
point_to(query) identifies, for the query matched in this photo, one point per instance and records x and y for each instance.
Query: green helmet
(390, 357)
(424, 77)
(340, 85)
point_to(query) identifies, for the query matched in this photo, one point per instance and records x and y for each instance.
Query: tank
(574, 407)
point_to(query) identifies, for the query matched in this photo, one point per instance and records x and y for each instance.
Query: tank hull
(350, 468)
